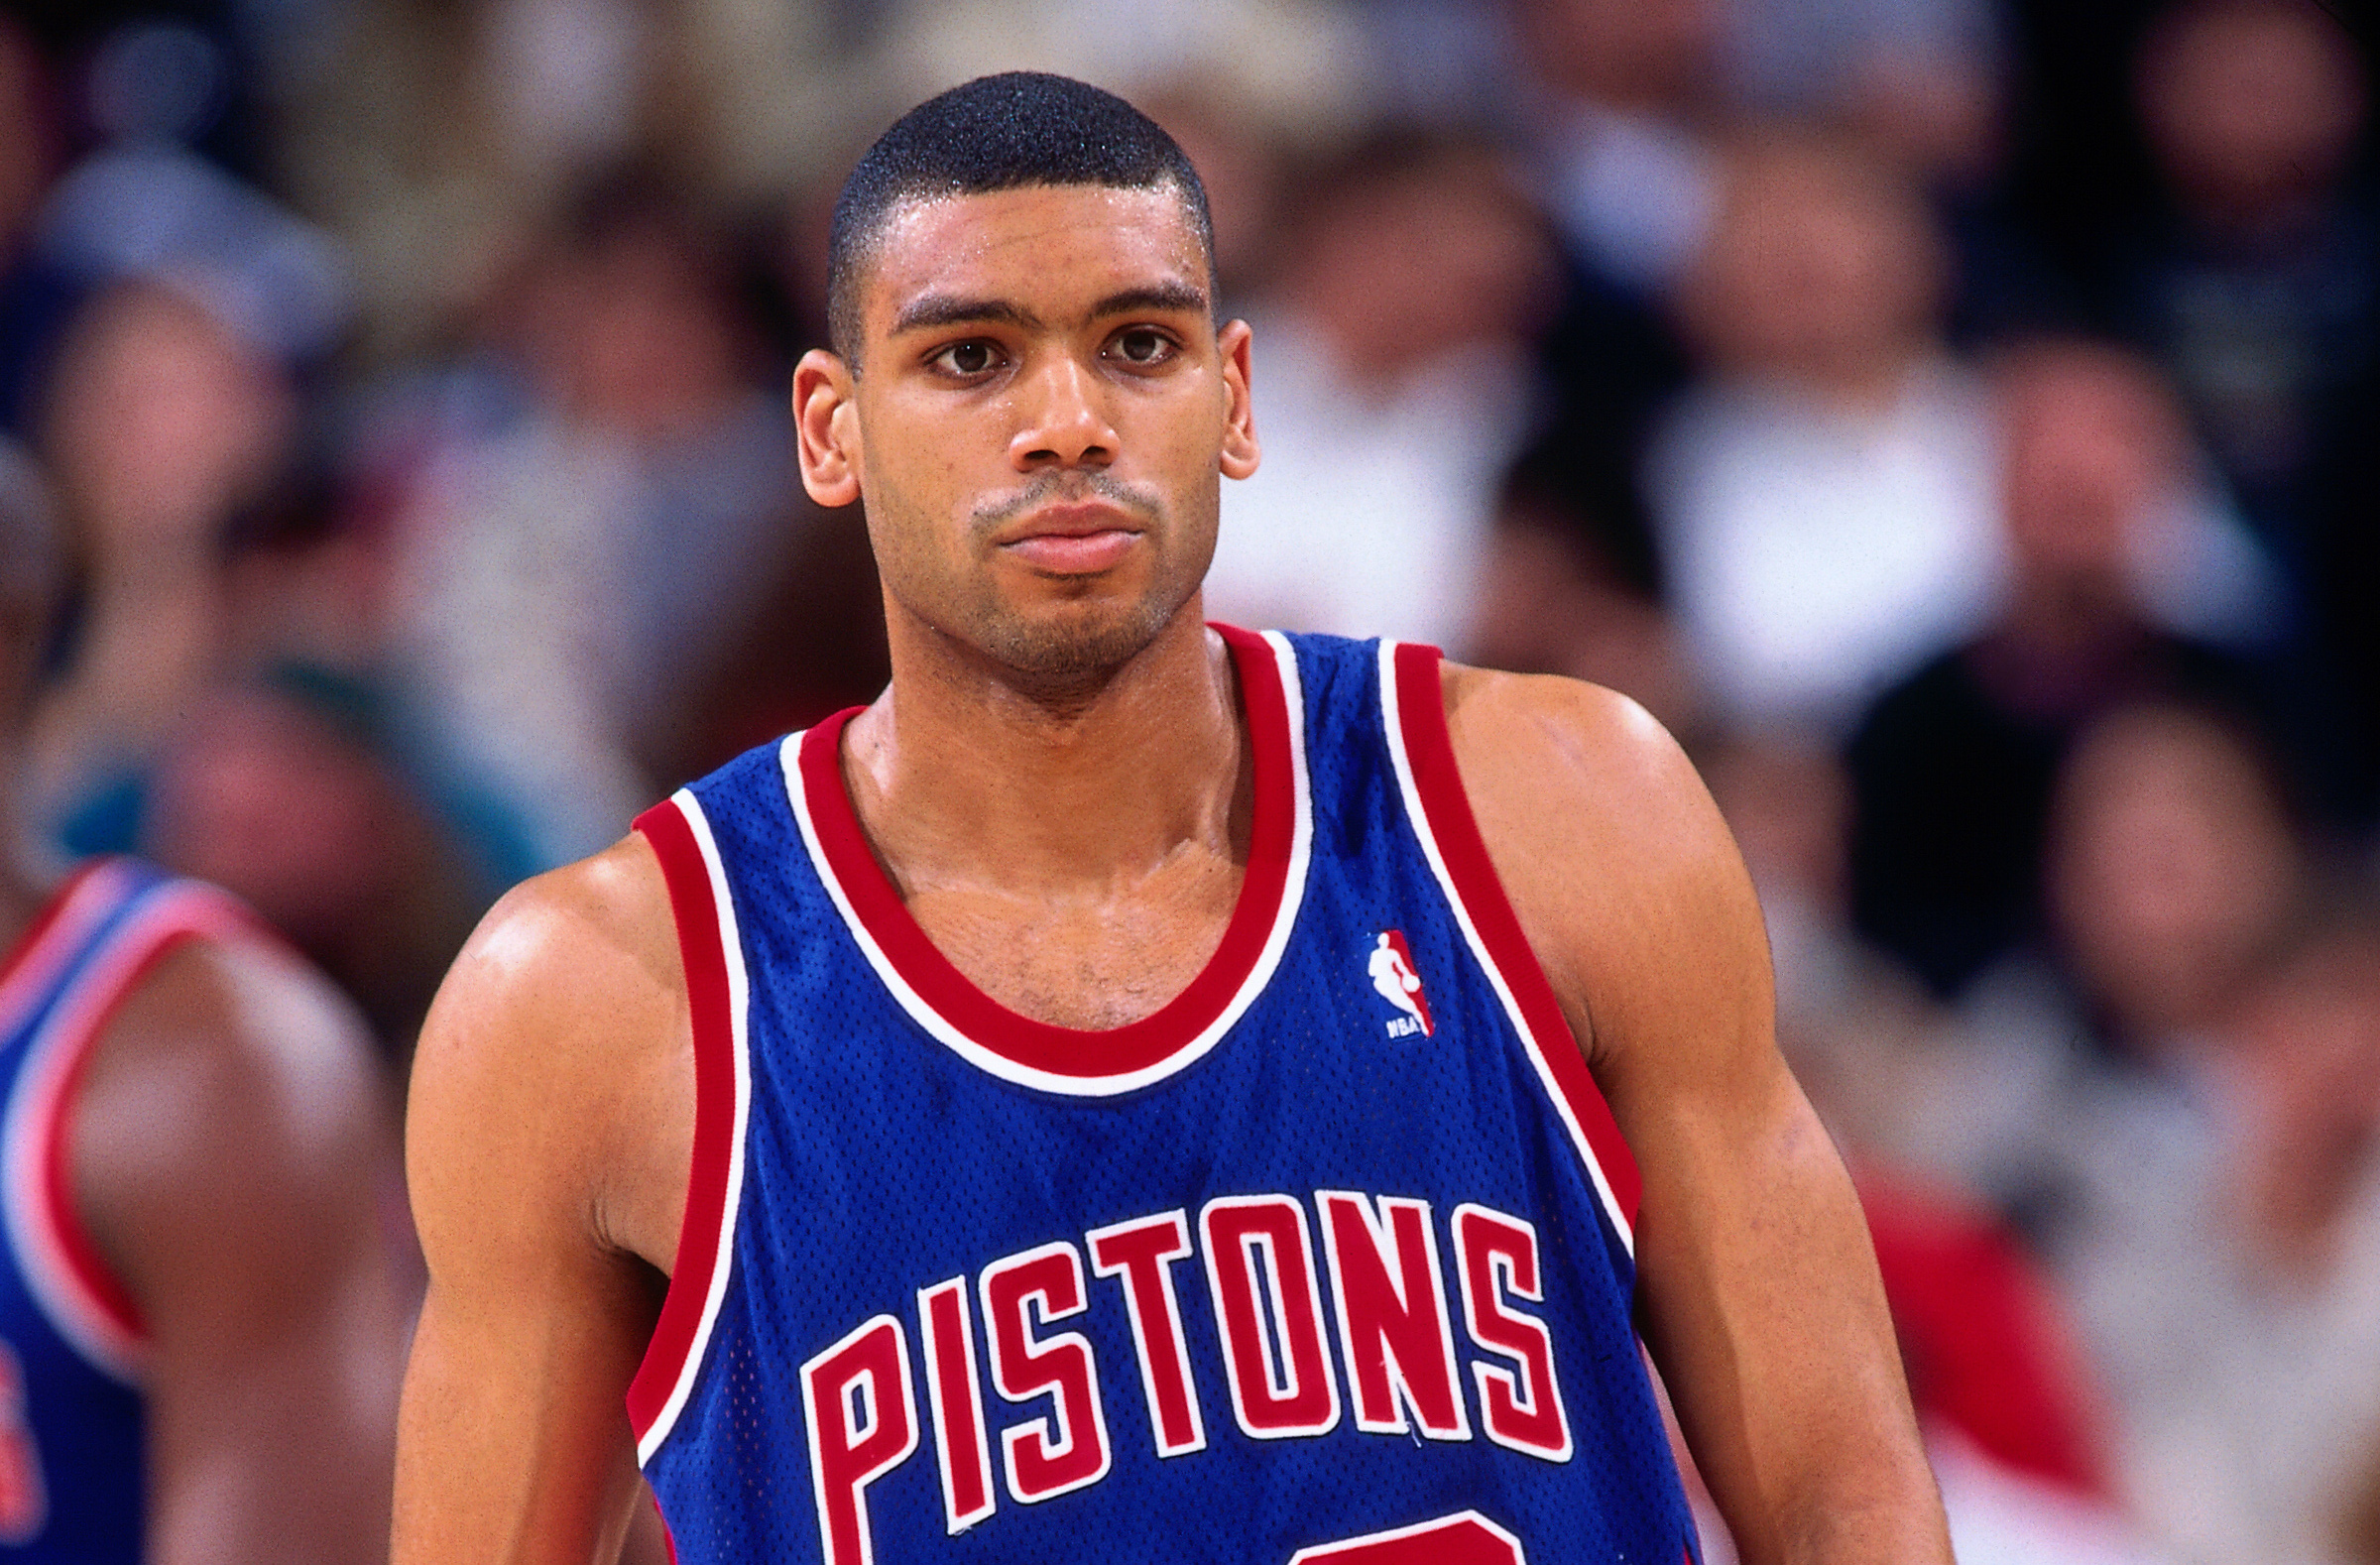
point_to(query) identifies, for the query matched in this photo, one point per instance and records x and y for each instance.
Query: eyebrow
(945, 310)
(1159, 296)
(931, 310)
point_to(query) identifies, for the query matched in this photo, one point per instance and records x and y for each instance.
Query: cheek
(915, 516)
(932, 449)
(1177, 441)
(893, 466)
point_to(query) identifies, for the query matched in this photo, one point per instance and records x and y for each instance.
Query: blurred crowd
(1954, 418)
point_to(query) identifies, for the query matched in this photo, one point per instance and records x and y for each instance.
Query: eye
(1143, 347)
(967, 360)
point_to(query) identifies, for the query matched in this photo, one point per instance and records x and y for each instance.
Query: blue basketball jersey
(1328, 1259)
(71, 1341)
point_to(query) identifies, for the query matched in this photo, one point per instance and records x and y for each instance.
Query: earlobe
(1240, 452)
(826, 423)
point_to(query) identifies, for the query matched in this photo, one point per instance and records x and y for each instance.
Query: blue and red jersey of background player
(73, 1484)
(1293, 1269)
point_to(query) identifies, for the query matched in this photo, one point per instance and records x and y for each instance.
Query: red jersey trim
(56, 933)
(1068, 1059)
(70, 1276)
(1414, 706)
(711, 950)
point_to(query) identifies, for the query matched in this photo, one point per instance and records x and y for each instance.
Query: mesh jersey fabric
(71, 1341)
(1329, 1259)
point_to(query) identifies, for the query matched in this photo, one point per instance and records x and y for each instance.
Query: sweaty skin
(1056, 780)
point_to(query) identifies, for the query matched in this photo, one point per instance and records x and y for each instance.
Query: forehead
(1053, 250)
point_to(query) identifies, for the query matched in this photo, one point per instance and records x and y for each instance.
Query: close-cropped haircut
(1009, 132)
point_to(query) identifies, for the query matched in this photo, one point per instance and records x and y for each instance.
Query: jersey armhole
(72, 1280)
(712, 953)
(1414, 702)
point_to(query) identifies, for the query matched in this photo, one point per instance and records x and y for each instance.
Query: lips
(1073, 539)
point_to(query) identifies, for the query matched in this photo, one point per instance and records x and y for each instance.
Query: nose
(1065, 424)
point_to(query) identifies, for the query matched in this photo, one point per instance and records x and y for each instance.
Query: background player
(1035, 403)
(202, 1304)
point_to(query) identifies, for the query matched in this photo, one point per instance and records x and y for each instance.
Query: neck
(965, 774)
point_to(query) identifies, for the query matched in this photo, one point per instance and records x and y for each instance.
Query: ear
(826, 417)
(1239, 451)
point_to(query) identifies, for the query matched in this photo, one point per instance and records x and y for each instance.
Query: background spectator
(1823, 494)
(1571, 586)
(162, 424)
(2125, 583)
(1386, 443)
(2255, 284)
(580, 546)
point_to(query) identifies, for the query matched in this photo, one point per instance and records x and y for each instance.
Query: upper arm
(1759, 1295)
(547, 1142)
(234, 1159)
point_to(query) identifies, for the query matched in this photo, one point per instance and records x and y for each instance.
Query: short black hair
(1008, 132)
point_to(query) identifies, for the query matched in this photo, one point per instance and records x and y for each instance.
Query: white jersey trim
(738, 994)
(1418, 814)
(990, 1060)
(39, 1108)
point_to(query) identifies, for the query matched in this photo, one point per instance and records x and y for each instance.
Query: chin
(1073, 646)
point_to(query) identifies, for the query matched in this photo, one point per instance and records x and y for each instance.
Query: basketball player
(201, 1312)
(1065, 1184)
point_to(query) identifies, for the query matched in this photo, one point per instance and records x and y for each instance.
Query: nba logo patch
(1392, 974)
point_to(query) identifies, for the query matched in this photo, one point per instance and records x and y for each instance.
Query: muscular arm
(234, 1159)
(547, 1146)
(1759, 1293)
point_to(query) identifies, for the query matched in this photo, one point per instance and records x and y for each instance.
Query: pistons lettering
(960, 1445)
(1351, 1291)
(1041, 1463)
(863, 1423)
(1142, 1253)
(1520, 1408)
(1392, 1319)
(1261, 1266)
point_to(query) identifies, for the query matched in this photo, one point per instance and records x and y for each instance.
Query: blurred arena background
(1956, 419)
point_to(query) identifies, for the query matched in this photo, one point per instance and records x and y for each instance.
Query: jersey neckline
(1071, 1060)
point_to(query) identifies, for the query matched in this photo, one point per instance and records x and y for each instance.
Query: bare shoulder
(1534, 734)
(557, 1060)
(566, 964)
(1617, 865)
(245, 1018)
(233, 1086)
